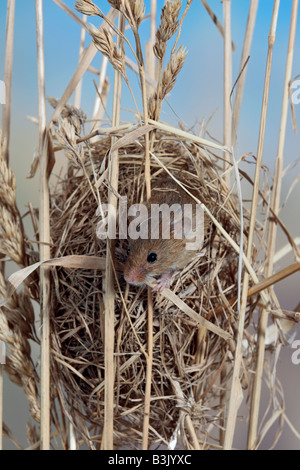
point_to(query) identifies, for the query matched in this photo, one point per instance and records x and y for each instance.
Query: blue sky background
(196, 95)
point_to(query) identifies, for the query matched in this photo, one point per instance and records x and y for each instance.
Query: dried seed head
(117, 4)
(11, 233)
(86, 7)
(152, 106)
(103, 41)
(167, 83)
(168, 26)
(172, 70)
(133, 10)
(67, 138)
(16, 328)
(11, 238)
(74, 115)
(137, 9)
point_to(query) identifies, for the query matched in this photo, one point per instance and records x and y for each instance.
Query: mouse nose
(135, 276)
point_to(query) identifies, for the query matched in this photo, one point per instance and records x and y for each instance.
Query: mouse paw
(163, 282)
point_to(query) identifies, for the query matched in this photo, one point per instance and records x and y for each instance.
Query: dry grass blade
(215, 20)
(186, 135)
(131, 137)
(168, 294)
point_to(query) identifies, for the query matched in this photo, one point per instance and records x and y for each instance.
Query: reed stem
(227, 85)
(101, 81)
(44, 234)
(149, 359)
(272, 232)
(150, 57)
(109, 298)
(2, 361)
(77, 94)
(216, 21)
(242, 78)
(233, 406)
(83, 65)
(8, 66)
(6, 117)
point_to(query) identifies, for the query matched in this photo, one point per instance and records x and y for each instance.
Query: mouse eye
(152, 257)
(128, 251)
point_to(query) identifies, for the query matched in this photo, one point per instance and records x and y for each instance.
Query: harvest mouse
(160, 255)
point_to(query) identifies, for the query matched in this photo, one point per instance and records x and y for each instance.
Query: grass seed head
(86, 7)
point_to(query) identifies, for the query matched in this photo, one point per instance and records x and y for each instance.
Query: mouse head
(152, 258)
(168, 228)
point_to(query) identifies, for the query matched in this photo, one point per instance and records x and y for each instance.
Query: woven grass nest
(190, 363)
(131, 367)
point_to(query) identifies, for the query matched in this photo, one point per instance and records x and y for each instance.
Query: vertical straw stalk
(233, 407)
(216, 21)
(253, 418)
(77, 101)
(1, 401)
(227, 83)
(44, 235)
(272, 231)
(9, 45)
(6, 113)
(77, 94)
(150, 68)
(242, 78)
(113, 169)
(84, 63)
(2, 361)
(149, 358)
(150, 57)
(142, 73)
(227, 143)
(97, 105)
